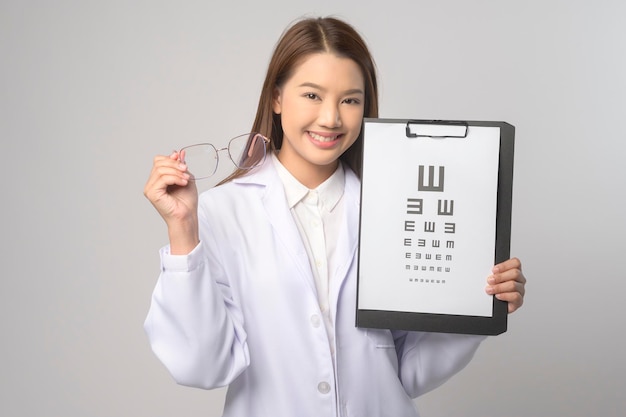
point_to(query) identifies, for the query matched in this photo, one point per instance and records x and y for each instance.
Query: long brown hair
(305, 37)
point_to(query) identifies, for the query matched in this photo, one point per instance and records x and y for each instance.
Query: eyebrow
(319, 87)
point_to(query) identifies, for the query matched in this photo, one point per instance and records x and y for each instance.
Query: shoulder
(253, 185)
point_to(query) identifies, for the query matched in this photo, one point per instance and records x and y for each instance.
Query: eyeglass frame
(254, 136)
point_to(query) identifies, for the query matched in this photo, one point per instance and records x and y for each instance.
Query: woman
(258, 283)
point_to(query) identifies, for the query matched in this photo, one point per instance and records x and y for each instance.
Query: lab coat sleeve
(427, 360)
(194, 327)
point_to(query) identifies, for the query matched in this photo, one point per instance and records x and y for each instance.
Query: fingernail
(489, 290)
(491, 279)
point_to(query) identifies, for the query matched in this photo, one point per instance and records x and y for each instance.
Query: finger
(167, 166)
(506, 287)
(171, 160)
(514, 300)
(510, 275)
(165, 172)
(513, 263)
(510, 270)
(164, 178)
(165, 181)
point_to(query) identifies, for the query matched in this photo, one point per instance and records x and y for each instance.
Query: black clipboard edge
(448, 323)
(440, 323)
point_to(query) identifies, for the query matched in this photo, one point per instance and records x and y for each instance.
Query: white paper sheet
(428, 250)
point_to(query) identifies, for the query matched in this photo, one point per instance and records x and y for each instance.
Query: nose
(329, 115)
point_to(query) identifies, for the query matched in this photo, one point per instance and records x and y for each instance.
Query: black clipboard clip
(453, 123)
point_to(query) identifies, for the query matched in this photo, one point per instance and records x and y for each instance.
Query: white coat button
(315, 320)
(323, 387)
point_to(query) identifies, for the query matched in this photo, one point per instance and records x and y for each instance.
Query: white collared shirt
(318, 214)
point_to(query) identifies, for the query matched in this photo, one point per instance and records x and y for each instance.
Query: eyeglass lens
(246, 152)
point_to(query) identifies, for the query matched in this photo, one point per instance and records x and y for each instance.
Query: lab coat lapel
(348, 235)
(277, 210)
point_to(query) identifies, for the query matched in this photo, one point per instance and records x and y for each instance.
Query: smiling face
(321, 107)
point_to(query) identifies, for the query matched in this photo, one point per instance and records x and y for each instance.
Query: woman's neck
(308, 174)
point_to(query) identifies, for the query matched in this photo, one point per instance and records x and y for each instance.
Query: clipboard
(436, 199)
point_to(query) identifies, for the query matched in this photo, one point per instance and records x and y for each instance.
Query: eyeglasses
(246, 151)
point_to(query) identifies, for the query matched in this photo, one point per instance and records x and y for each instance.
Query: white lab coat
(241, 310)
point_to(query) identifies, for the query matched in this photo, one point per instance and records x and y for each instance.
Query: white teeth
(323, 138)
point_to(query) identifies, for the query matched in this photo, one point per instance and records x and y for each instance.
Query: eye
(311, 96)
(352, 101)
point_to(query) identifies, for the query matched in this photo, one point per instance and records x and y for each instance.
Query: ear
(276, 101)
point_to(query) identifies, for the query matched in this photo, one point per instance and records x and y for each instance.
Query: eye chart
(435, 218)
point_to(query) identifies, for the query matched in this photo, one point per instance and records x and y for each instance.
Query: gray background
(90, 91)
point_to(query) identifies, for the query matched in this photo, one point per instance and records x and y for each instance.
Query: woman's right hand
(175, 196)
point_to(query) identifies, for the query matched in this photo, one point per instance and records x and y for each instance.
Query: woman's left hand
(507, 283)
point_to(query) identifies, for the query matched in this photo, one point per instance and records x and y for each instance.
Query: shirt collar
(329, 192)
